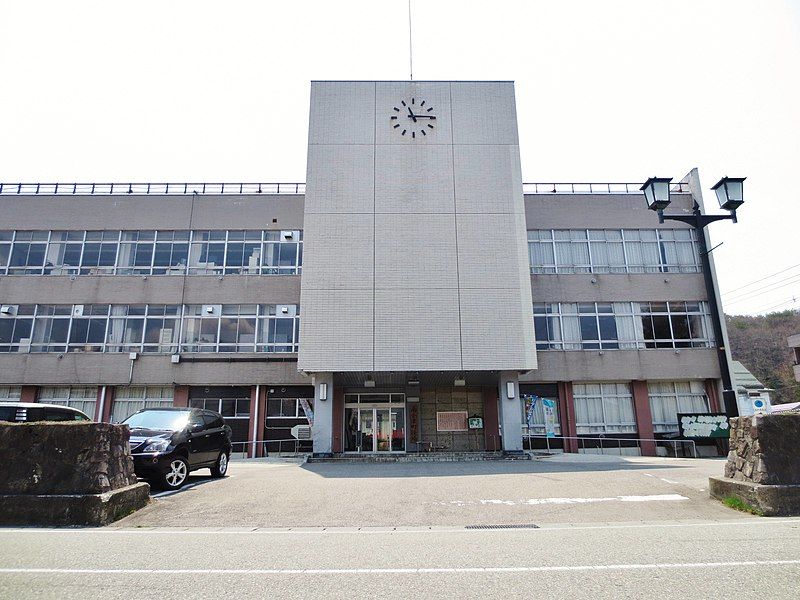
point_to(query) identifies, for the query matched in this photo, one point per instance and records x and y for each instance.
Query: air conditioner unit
(7, 309)
(301, 432)
(287, 235)
(212, 309)
(77, 310)
(289, 310)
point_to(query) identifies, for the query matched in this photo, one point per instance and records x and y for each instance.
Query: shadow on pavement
(357, 470)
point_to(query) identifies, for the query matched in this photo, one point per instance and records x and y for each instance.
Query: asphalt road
(567, 527)
(561, 489)
(759, 558)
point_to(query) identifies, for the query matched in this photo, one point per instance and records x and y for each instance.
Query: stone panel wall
(765, 449)
(64, 458)
(435, 400)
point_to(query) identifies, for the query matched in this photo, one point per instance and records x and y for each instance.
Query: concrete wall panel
(417, 330)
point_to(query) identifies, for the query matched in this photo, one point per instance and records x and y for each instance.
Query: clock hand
(411, 114)
(425, 117)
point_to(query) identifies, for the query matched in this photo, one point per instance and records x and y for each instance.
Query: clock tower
(415, 239)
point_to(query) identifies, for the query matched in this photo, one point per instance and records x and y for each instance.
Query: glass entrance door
(375, 429)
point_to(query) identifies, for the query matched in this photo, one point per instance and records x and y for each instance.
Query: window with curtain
(621, 325)
(10, 393)
(151, 252)
(613, 251)
(668, 398)
(132, 398)
(81, 398)
(604, 408)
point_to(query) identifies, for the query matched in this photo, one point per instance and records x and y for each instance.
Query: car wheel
(176, 474)
(221, 466)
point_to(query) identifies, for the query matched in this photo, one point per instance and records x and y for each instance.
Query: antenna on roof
(410, 51)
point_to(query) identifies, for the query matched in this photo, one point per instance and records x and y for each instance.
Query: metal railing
(179, 189)
(286, 447)
(144, 189)
(594, 188)
(616, 442)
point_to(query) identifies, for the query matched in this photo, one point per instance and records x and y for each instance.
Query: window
(668, 398)
(288, 408)
(10, 393)
(604, 408)
(229, 408)
(613, 251)
(151, 252)
(150, 328)
(621, 325)
(129, 399)
(82, 398)
(16, 328)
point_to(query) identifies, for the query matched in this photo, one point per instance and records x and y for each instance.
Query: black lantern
(730, 192)
(656, 192)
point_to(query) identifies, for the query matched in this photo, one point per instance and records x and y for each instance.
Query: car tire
(176, 474)
(220, 467)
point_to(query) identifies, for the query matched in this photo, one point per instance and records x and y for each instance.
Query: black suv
(28, 412)
(168, 443)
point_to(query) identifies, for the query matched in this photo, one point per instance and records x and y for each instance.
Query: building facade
(413, 295)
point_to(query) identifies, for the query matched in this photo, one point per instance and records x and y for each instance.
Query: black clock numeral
(396, 126)
(422, 103)
(397, 109)
(412, 101)
(413, 134)
(403, 102)
(430, 109)
(404, 132)
(429, 125)
(423, 132)
(394, 117)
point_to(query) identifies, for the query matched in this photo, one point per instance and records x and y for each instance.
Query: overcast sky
(606, 91)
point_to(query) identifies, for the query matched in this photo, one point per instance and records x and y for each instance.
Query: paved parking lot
(560, 489)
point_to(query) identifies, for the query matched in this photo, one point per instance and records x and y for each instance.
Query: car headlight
(158, 446)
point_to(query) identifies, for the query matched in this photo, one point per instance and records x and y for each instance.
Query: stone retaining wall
(67, 474)
(763, 467)
(765, 449)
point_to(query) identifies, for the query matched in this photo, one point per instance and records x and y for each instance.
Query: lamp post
(729, 192)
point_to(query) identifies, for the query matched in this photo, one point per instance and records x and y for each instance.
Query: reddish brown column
(252, 434)
(644, 417)
(566, 413)
(262, 419)
(712, 391)
(337, 443)
(28, 393)
(491, 421)
(111, 394)
(181, 396)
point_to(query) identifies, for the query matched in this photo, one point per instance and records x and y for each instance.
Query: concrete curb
(73, 509)
(772, 500)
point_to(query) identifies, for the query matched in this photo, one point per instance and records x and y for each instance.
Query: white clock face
(413, 117)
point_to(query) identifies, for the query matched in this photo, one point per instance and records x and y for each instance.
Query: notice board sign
(703, 425)
(451, 420)
(475, 423)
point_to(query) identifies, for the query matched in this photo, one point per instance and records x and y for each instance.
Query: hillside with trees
(759, 343)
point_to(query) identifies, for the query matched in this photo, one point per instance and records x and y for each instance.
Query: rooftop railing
(594, 188)
(179, 189)
(144, 189)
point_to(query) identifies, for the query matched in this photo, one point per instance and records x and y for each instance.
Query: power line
(762, 279)
(766, 289)
(792, 301)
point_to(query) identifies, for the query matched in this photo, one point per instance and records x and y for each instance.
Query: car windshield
(162, 420)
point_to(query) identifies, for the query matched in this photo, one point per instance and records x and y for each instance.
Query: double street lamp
(729, 192)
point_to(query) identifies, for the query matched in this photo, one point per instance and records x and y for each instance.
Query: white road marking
(414, 571)
(538, 501)
(317, 530)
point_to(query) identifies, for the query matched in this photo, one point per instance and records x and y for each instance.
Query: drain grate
(527, 526)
